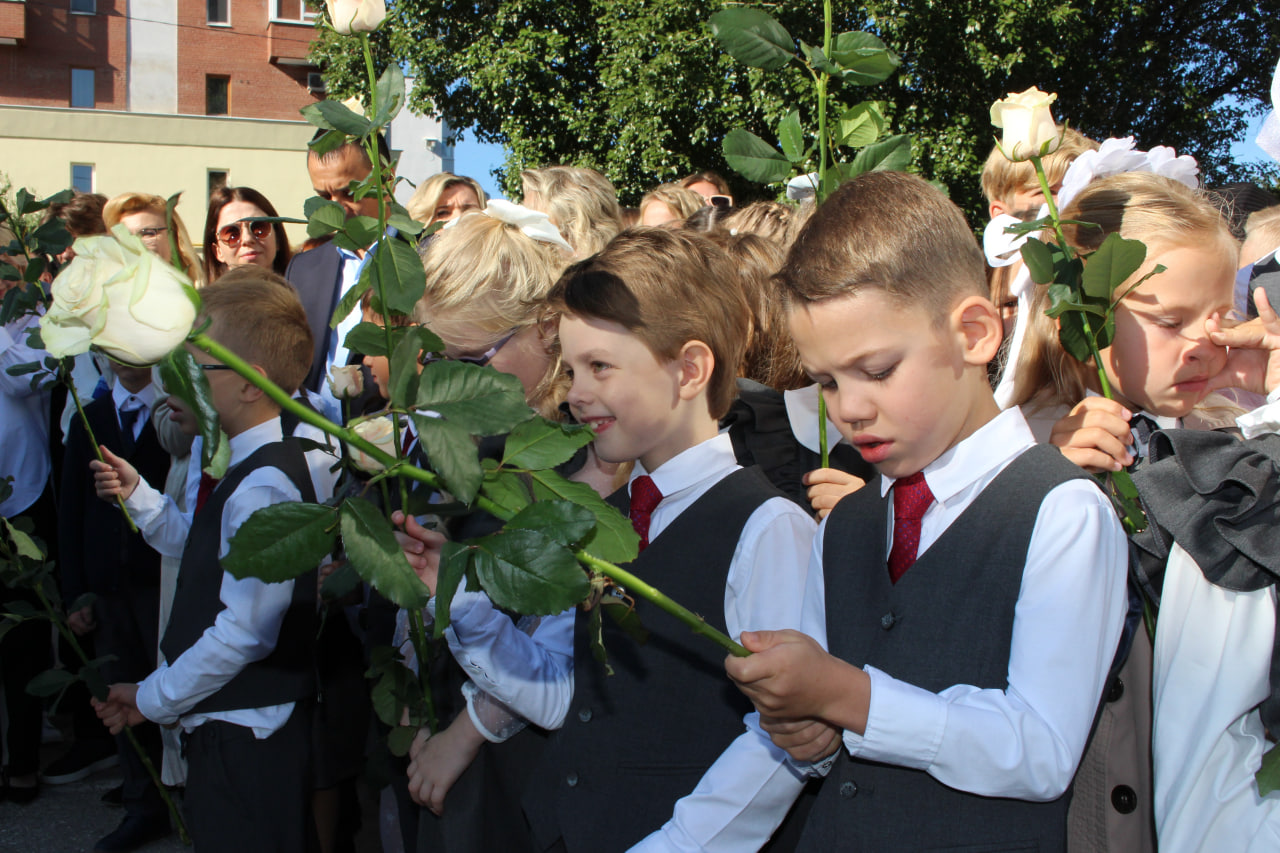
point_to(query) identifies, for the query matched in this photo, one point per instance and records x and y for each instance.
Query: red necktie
(207, 484)
(911, 497)
(406, 444)
(644, 498)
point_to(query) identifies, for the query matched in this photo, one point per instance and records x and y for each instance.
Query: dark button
(572, 779)
(1116, 691)
(1124, 799)
(849, 790)
(585, 715)
(887, 621)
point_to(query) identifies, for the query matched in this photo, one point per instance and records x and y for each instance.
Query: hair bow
(532, 223)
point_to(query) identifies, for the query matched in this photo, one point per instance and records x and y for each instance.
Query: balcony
(13, 22)
(287, 43)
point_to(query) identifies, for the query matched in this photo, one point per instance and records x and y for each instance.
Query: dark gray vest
(635, 742)
(285, 675)
(948, 621)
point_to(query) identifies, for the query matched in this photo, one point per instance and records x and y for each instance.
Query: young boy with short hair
(972, 621)
(238, 675)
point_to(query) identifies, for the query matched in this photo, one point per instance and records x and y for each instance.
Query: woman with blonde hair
(667, 203)
(144, 215)
(582, 203)
(444, 197)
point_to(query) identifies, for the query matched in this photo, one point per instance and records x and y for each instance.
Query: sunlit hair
(767, 219)
(257, 315)
(82, 215)
(709, 177)
(681, 202)
(1164, 215)
(127, 203)
(487, 274)
(667, 288)
(1262, 234)
(422, 207)
(891, 232)
(220, 198)
(582, 203)
(1001, 178)
(799, 218)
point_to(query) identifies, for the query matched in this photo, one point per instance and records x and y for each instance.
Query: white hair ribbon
(532, 223)
(1269, 136)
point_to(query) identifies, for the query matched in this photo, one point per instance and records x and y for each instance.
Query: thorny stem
(418, 633)
(93, 441)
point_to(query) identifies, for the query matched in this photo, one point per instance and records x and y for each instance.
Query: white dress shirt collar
(710, 458)
(147, 396)
(253, 438)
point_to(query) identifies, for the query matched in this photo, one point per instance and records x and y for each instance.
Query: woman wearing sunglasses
(232, 239)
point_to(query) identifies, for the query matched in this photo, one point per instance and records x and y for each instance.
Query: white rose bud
(1027, 123)
(356, 16)
(381, 434)
(346, 381)
(130, 304)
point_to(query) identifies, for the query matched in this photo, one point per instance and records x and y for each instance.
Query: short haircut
(710, 177)
(680, 201)
(133, 202)
(1001, 177)
(582, 203)
(886, 231)
(220, 198)
(82, 215)
(1262, 233)
(328, 156)
(422, 206)
(667, 288)
(258, 316)
(768, 219)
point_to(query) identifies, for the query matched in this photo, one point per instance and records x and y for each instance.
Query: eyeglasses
(479, 360)
(214, 366)
(720, 201)
(149, 233)
(229, 235)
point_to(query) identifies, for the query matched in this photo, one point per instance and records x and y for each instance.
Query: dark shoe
(83, 758)
(114, 797)
(20, 794)
(132, 833)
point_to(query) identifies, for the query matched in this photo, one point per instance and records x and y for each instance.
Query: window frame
(93, 174)
(93, 86)
(93, 4)
(226, 22)
(226, 79)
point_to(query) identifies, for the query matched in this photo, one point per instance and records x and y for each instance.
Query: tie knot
(644, 495)
(911, 497)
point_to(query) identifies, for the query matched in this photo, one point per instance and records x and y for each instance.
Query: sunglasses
(479, 360)
(229, 235)
(720, 201)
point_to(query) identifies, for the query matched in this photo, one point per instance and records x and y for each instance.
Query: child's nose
(851, 408)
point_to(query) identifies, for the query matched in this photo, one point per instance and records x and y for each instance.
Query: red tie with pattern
(207, 484)
(911, 497)
(644, 498)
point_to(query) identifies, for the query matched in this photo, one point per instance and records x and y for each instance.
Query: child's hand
(1095, 435)
(421, 547)
(121, 708)
(1253, 363)
(804, 740)
(827, 486)
(114, 477)
(791, 677)
(437, 762)
(81, 621)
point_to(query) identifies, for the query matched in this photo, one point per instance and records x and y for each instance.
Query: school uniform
(987, 658)
(238, 675)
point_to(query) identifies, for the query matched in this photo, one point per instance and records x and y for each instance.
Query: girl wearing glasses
(232, 240)
(144, 215)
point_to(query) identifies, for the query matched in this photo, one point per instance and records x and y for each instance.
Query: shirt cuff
(148, 700)
(905, 724)
(1262, 420)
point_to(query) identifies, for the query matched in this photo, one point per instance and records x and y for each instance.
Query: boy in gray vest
(975, 592)
(238, 676)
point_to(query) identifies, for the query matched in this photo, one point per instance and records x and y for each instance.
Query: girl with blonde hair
(144, 215)
(582, 203)
(445, 197)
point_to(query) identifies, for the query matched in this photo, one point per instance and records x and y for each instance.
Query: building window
(82, 88)
(219, 11)
(217, 180)
(84, 7)
(216, 95)
(82, 177)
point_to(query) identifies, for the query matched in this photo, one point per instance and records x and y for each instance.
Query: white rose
(1029, 128)
(381, 434)
(79, 304)
(346, 381)
(356, 16)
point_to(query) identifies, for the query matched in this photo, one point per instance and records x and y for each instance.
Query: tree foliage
(640, 89)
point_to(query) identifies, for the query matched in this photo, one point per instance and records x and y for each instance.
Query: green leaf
(624, 615)
(595, 635)
(528, 572)
(1112, 265)
(402, 223)
(452, 454)
(351, 298)
(336, 116)
(505, 488)
(454, 558)
(614, 539)
(400, 739)
(562, 521)
(481, 400)
(892, 154)
(331, 141)
(280, 542)
(340, 582)
(1268, 775)
(864, 60)
(389, 94)
(541, 443)
(52, 237)
(403, 388)
(1039, 260)
(325, 218)
(393, 687)
(753, 37)
(24, 544)
(357, 233)
(371, 339)
(860, 125)
(791, 136)
(91, 675)
(51, 682)
(753, 158)
(818, 60)
(1072, 336)
(184, 379)
(370, 543)
(400, 273)
(83, 600)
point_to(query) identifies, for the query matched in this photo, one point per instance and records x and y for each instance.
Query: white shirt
(144, 399)
(1026, 740)
(24, 413)
(247, 628)
(338, 354)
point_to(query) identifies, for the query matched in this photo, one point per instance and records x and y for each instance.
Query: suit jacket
(317, 276)
(98, 552)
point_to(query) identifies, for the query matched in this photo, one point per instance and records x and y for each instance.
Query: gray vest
(635, 742)
(288, 673)
(948, 621)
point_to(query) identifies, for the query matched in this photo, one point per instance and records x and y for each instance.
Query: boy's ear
(696, 363)
(251, 393)
(978, 325)
(996, 207)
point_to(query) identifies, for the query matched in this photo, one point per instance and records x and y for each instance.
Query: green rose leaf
(861, 125)
(791, 136)
(280, 542)
(401, 275)
(540, 443)
(528, 572)
(1268, 775)
(614, 539)
(184, 379)
(753, 37)
(335, 116)
(562, 521)
(505, 488)
(357, 233)
(51, 682)
(400, 739)
(330, 141)
(1112, 265)
(370, 338)
(453, 455)
(454, 559)
(24, 544)
(892, 154)
(52, 237)
(479, 399)
(340, 582)
(1073, 337)
(402, 223)
(404, 364)
(371, 547)
(325, 218)
(91, 675)
(393, 688)
(864, 60)
(390, 94)
(1039, 260)
(818, 60)
(753, 158)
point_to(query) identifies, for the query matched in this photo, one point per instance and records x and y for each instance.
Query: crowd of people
(947, 636)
